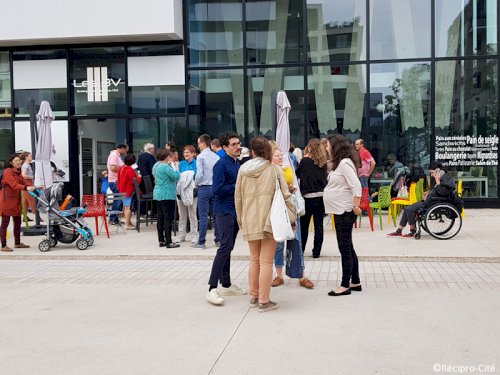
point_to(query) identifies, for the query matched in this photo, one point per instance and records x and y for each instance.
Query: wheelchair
(441, 220)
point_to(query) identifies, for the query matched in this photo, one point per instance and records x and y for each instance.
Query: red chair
(364, 205)
(96, 207)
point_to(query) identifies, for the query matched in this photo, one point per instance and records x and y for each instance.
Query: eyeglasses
(235, 144)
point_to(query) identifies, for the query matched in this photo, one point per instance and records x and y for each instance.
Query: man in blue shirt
(203, 180)
(224, 182)
(217, 148)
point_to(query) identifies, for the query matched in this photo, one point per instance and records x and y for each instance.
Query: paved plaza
(125, 306)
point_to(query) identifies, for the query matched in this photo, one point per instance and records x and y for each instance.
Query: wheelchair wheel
(442, 221)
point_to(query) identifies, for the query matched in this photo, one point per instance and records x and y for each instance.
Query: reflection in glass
(274, 31)
(5, 87)
(466, 27)
(216, 98)
(400, 103)
(57, 98)
(215, 32)
(466, 96)
(261, 82)
(5, 140)
(158, 131)
(336, 30)
(156, 99)
(336, 100)
(400, 29)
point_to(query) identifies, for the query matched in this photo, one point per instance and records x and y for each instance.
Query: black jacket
(313, 179)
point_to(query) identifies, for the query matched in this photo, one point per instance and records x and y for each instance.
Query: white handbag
(300, 203)
(280, 221)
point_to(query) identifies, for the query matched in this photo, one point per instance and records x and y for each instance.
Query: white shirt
(343, 185)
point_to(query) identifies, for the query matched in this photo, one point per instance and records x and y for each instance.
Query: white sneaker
(233, 290)
(214, 297)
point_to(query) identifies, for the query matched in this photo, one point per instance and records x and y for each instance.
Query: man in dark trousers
(224, 181)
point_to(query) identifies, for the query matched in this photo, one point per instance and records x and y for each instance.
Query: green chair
(384, 201)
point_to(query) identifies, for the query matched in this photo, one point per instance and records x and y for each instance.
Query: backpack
(456, 201)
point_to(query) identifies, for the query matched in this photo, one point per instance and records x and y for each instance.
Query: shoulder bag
(280, 221)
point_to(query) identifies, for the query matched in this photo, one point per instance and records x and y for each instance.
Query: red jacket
(126, 174)
(10, 195)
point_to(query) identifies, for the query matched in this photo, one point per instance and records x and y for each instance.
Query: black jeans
(350, 266)
(166, 210)
(315, 208)
(409, 214)
(221, 268)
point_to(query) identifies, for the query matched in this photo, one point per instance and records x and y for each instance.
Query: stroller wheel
(53, 242)
(44, 246)
(90, 241)
(81, 244)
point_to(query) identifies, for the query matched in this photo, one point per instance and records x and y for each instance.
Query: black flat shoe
(344, 293)
(162, 244)
(172, 245)
(356, 288)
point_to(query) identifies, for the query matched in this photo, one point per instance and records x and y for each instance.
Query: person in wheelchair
(443, 187)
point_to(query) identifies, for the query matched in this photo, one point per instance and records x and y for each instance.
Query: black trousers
(409, 214)
(166, 210)
(221, 268)
(350, 266)
(315, 208)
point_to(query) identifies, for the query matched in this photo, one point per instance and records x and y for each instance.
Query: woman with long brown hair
(312, 175)
(342, 197)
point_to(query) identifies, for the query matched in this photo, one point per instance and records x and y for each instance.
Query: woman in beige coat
(255, 187)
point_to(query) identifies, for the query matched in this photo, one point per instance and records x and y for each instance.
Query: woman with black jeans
(312, 173)
(341, 197)
(166, 173)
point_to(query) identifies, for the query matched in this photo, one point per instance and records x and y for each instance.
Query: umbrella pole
(37, 229)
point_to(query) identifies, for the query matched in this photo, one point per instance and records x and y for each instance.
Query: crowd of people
(232, 187)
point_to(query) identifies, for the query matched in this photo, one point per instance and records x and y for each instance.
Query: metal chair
(143, 199)
(110, 200)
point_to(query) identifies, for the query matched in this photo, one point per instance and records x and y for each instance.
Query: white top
(343, 185)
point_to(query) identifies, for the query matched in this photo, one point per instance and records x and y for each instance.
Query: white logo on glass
(97, 84)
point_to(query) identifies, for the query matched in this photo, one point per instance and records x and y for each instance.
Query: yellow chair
(404, 201)
(460, 191)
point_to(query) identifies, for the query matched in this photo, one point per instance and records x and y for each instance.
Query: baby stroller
(65, 226)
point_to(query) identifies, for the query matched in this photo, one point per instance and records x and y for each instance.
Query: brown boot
(306, 283)
(21, 246)
(277, 281)
(6, 249)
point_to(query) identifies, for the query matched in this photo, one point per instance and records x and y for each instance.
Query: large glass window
(466, 123)
(215, 32)
(466, 27)
(5, 87)
(261, 83)
(97, 77)
(158, 131)
(274, 31)
(56, 97)
(156, 99)
(5, 141)
(336, 100)
(336, 30)
(400, 29)
(399, 130)
(216, 100)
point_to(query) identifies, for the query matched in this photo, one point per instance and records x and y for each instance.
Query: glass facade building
(416, 79)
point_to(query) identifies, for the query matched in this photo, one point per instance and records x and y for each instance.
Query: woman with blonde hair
(312, 175)
(255, 187)
(279, 258)
(27, 173)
